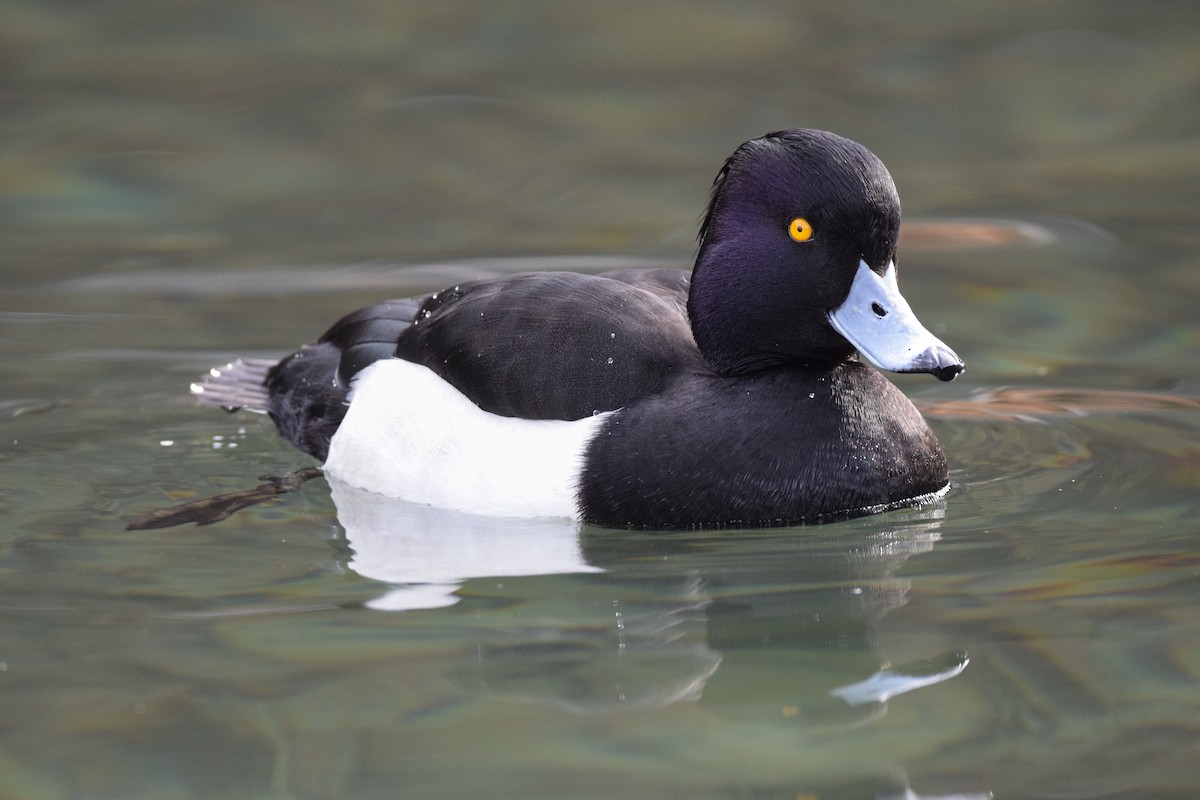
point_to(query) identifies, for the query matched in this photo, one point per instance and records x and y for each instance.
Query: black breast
(785, 446)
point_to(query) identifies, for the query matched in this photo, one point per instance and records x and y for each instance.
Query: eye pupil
(800, 229)
(878, 309)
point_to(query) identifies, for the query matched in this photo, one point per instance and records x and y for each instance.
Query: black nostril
(879, 311)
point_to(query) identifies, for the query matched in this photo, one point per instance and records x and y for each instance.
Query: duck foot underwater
(208, 510)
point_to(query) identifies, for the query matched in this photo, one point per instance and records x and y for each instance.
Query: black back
(551, 345)
(556, 345)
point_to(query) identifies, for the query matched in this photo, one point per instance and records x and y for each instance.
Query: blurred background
(184, 182)
(165, 149)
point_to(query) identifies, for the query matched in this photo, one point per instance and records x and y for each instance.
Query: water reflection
(819, 606)
(427, 553)
(775, 629)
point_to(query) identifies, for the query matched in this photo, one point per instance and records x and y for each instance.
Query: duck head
(797, 262)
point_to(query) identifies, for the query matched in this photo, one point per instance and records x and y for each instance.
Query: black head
(764, 283)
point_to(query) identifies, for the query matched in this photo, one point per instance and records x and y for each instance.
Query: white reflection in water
(428, 553)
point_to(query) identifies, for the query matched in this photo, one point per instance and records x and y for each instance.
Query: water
(180, 185)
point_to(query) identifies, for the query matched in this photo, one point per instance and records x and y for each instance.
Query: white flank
(410, 434)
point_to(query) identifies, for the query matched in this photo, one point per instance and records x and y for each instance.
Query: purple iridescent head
(797, 262)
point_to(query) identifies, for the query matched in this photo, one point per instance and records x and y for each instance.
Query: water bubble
(610, 360)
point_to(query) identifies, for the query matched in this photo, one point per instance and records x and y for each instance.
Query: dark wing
(307, 389)
(556, 345)
(369, 334)
(669, 284)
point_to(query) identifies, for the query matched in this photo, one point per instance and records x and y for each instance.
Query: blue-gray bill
(878, 321)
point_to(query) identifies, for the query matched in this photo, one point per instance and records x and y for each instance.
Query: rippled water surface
(183, 183)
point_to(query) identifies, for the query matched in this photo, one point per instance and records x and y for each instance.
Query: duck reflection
(751, 622)
(427, 553)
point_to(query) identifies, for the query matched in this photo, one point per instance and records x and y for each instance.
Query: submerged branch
(208, 510)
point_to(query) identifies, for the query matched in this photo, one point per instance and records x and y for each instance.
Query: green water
(184, 183)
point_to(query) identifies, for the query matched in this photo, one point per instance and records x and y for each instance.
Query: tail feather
(239, 385)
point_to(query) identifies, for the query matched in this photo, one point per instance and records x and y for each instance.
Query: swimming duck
(733, 396)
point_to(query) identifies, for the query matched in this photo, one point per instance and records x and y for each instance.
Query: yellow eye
(800, 229)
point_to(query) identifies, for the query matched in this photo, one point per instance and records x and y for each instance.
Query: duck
(744, 393)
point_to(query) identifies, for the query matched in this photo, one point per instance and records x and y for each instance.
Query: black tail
(306, 392)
